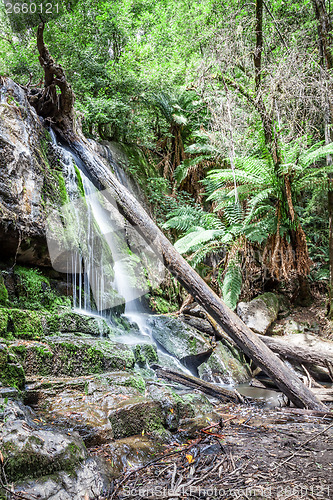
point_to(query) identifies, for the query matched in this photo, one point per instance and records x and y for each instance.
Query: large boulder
(224, 367)
(85, 403)
(181, 341)
(260, 313)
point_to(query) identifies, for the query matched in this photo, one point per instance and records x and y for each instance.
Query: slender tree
(325, 49)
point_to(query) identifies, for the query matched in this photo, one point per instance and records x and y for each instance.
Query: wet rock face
(67, 355)
(30, 185)
(224, 367)
(180, 340)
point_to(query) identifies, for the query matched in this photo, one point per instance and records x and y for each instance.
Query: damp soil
(245, 452)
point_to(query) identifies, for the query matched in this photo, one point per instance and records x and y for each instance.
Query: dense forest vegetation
(166, 249)
(232, 105)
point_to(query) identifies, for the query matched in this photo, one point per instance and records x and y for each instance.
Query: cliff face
(31, 181)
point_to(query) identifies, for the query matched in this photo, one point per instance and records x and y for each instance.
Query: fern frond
(232, 285)
(195, 239)
(316, 153)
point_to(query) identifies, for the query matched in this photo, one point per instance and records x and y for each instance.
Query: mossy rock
(11, 372)
(145, 354)
(136, 415)
(259, 313)
(30, 452)
(3, 293)
(178, 339)
(73, 356)
(3, 322)
(224, 367)
(33, 290)
(71, 322)
(25, 324)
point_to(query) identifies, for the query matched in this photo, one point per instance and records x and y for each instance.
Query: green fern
(231, 284)
(197, 238)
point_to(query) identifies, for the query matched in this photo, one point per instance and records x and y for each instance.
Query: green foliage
(231, 285)
(3, 292)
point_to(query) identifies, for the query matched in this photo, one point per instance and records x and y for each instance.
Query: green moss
(26, 324)
(3, 322)
(135, 417)
(34, 291)
(145, 354)
(30, 284)
(62, 189)
(136, 382)
(11, 373)
(26, 461)
(193, 343)
(3, 293)
(20, 350)
(79, 181)
(161, 305)
(271, 300)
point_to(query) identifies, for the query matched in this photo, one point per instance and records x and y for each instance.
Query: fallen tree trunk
(196, 383)
(320, 353)
(246, 340)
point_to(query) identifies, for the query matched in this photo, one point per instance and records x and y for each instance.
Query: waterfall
(96, 264)
(99, 226)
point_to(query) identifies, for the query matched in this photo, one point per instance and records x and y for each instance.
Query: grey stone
(180, 340)
(259, 313)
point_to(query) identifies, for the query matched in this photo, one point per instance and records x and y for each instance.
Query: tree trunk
(319, 354)
(196, 383)
(57, 108)
(330, 233)
(246, 340)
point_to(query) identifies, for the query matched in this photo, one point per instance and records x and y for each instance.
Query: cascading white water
(99, 226)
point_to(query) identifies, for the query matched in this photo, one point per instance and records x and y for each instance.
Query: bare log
(324, 394)
(314, 352)
(247, 341)
(196, 383)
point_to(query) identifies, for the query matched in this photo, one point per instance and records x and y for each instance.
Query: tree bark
(246, 340)
(57, 108)
(320, 354)
(201, 385)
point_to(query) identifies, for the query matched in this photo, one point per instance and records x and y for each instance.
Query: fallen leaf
(190, 458)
